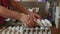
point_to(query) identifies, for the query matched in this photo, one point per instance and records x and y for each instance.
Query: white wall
(17, 0)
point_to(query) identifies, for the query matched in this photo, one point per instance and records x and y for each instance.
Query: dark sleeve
(4, 3)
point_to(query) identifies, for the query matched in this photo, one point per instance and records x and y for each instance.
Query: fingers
(25, 24)
(34, 18)
(30, 23)
(33, 21)
(37, 16)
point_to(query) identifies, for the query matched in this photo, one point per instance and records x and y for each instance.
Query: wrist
(28, 12)
(22, 14)
(19, 16)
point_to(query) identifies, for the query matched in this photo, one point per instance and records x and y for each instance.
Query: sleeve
(0, 2)
(4, 3)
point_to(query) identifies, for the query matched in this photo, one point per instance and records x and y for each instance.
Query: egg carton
(44, 28)
(24, 30)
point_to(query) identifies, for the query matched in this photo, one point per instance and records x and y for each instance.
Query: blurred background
(47, 9)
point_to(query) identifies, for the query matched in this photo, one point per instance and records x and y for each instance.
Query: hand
(27, 20)
(35, 16)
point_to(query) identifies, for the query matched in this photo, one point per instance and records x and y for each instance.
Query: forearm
(18, 6)
(9, 14)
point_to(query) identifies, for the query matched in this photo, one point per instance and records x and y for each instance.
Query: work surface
(54, 30)
(24, 30)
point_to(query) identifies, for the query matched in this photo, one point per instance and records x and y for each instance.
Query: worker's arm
(22, 8)
(18, 6)
(8, 13)
(25, 19)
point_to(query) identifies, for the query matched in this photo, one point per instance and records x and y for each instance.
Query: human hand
(35, 16)
(28, 21)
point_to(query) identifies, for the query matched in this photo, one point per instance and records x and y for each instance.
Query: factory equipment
(44, 24)
(44, 28)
